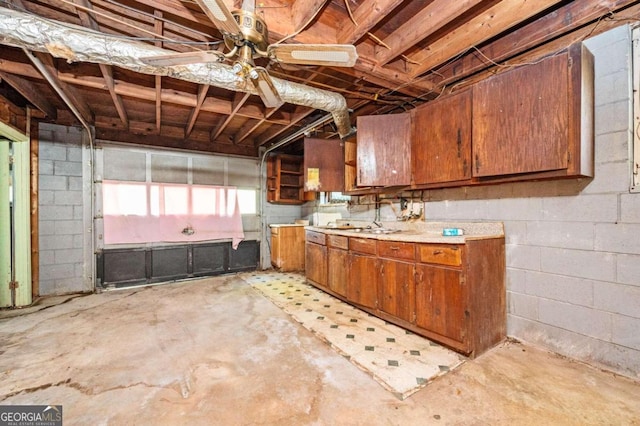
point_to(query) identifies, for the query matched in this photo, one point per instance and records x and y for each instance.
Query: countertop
(284, 225)
(417, 232)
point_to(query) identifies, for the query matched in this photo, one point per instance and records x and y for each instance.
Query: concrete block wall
(573, 252)
(62, 263)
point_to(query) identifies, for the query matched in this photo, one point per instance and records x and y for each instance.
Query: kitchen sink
(375, 230)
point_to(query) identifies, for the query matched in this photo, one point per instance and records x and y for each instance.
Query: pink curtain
(153, 212)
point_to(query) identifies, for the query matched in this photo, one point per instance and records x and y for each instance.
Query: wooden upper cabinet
(536, 118)
(323, 165)
(384, 150)
(441, 143)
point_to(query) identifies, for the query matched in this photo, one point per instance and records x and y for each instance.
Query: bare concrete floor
(215, 351)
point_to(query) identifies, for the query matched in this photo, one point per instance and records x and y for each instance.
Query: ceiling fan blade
(184, 58)
(335, 55)
(218, 12)
(264, 85)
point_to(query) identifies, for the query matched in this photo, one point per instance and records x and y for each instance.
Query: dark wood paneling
(122, 266)
(208, 259)
(245, 257)
(169, 263)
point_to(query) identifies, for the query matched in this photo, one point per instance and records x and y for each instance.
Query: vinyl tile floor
(401, 361)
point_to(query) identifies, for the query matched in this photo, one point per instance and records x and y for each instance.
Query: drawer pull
(394, 248)
(436, 252)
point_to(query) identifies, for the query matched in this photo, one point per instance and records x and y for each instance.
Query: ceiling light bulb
(237, 68)
(253, 74)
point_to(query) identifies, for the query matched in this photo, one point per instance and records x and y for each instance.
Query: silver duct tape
(79, 44)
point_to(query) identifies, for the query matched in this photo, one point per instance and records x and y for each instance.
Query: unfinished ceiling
(409, 52)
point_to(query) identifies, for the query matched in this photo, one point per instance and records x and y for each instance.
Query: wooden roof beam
(23, 87)
(238, 101)
(367, 15)
(434, 16)
(193, 116)
(482, 27)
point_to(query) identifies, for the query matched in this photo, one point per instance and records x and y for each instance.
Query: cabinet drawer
(316, 237)
(363, 245)
(338, 241)
(441, 254)
(396, 250)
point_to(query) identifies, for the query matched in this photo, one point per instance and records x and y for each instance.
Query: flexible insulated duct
(79, 44)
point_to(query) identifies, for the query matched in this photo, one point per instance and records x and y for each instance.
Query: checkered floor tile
(399, 360)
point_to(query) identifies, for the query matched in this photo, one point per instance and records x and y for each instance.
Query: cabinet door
(441, 145)
(397, 289)
(521, 119)
(337, 272)
(316, 263)
(363, 280)
(440, 301)
(323, 165)
(383, 150)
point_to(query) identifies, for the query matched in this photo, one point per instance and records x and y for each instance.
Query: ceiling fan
(246, 36)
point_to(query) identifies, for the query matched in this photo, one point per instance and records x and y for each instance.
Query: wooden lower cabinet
(362, 288)
(315, 263)
(397, 289)
(440, 306)
(287, 247)
(451, 293)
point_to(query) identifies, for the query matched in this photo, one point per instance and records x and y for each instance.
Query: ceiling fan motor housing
(254, 31)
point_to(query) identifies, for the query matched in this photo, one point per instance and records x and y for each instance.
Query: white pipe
(79, 44)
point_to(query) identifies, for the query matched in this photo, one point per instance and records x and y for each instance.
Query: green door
(15, 222)
(5, 226)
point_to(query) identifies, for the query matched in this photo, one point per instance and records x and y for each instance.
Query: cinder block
(583, 208)
(575, 235)
(618, 238)
(579, 319)
(74, 153)
(625, 331)
(46, 227)
(613, 147)
(577, 291)
(523, 305)
(609, 41)
(612, 117)
(45, 167)
(515, 232)
(55, 183)
(56, 242)
(75, 183)
(72, 285)
(56, 212)
(578, 263)
(45, 198)
(68, 198)
(78, 241)
(69, 256)
(617, 298)
(46, 286)
(67, 168)
(630, 208)
(50, 151)
(68, 227)
(613, 87)
(523, 257)
(78, 212)
(47, 257)
(628, 269)
(516, 209)
(58, 271)
(609, 178)
(516, 280)
(614, 57)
